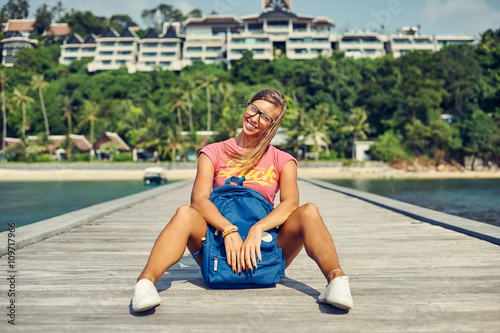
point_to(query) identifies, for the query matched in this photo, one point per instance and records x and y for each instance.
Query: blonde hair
(252, 156)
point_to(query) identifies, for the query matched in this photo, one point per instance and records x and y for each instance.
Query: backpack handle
(235, 180)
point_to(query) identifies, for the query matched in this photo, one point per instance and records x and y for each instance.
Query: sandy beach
(305, 172)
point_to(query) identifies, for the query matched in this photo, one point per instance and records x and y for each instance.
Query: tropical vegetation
(424, 107)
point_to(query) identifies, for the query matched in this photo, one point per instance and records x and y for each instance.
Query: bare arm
(289, 196)
(201, 192)
(200, 201)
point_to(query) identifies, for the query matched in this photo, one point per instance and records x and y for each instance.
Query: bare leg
(305, 227)
(186, 228)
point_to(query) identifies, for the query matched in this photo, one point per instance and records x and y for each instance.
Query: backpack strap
(235, 180)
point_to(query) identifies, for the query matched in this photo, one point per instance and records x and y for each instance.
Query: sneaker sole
(146, 306)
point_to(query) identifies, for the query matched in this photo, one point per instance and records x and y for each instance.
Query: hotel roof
(213, 20)
(59, 29)
(20, 25)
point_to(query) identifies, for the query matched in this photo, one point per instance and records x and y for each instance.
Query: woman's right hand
(233, 243)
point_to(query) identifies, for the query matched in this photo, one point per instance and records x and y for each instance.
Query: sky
(435, 17)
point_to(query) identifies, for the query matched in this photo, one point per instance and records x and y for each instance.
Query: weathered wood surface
(406, 276)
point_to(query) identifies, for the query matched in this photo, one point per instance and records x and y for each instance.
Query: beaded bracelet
(334, 270)
(229, 231)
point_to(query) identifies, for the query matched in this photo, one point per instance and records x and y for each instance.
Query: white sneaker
(145, 296)
(337, 293)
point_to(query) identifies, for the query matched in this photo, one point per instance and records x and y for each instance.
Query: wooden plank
(405, 276)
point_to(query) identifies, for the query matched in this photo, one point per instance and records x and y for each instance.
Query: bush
(388, 148)
(44, 158)
(80, 157)
(122, 157)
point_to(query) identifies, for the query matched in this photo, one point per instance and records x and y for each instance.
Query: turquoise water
(29, 202)
(476, 199)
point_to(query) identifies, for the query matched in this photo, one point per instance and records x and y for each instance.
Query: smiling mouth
(250, 126)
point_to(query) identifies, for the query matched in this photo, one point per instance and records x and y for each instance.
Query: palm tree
(67, 110)
(177, 104)
(38, 83)
(188, 85)
(312, 129)
(90, 114)
(207, 82)
(4, 114)
(357, 125)
(22, 98)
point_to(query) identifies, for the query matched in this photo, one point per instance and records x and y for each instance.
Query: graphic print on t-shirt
(258, 174)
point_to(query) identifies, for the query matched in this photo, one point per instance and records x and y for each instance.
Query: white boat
(154, 176)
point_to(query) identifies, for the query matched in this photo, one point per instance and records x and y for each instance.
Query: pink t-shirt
(263, 177)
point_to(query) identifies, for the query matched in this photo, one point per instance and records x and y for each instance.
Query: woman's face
(254, 121)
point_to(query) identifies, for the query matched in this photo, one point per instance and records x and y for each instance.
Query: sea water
(26, 202)
(476, 199)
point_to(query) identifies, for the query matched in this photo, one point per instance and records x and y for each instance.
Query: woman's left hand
(250, 250)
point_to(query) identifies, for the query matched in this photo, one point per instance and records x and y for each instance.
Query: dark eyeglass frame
(260, 113)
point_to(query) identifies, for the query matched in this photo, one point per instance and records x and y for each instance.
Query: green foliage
(389, 148)
(481, 135)
(80, 157)
(16, 9)
(43, 158)
(43, 18)
(332, 101)
(122, 157)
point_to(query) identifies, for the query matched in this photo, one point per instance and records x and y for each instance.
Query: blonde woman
(267, 170)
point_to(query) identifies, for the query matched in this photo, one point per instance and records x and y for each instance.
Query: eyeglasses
(264, 119)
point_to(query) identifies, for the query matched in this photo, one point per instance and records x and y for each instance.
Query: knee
(309, 210)
(186, 212)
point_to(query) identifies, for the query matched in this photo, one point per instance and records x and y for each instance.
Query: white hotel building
(224, 38)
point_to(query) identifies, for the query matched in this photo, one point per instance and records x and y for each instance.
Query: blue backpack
(243, 207)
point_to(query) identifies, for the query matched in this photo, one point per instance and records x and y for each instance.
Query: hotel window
(219, 31)
(120, 62)
(165, 63)
(106, 53)
(308, 40)
(150, 45)
(168, 44)
(108, 44)
(124, 52)
(402, 41)
(106, 62)
(69, 58)
(168, 54)
(149, 54)
(321, 40)
(256, 28)
(316, 51)
(277, 24)
(72, 49)
(237, 51)
(296, 40)
(369, 51)
(151, 63)
(250, 41)
(213, 49)
(194, 49)
(258, 51)
(125, 43)
(262, 40)
(350, 41)
(238, 41)
(88, 49)
(300, 51)
(422, 41)
(371, 41)
(299, 27)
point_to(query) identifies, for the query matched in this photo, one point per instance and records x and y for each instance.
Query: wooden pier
(406, 276)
